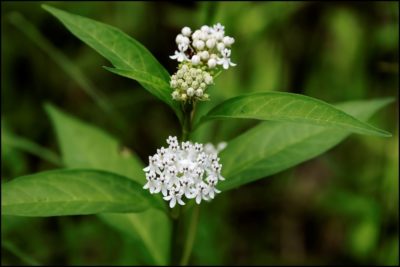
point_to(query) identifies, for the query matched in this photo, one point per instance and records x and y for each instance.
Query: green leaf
(73, 192)
(288, 107)
(67, 65)
(150, 229)
(85, 146)
(271, 147)
(10, 139)
(158, 87)
(121, 50)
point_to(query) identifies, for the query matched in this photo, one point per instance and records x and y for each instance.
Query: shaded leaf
(158, 87)
(86, 146)
(73, 192)
(10, 139)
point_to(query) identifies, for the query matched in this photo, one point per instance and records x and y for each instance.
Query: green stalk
(188, 112)
(190, 237)
(176, 243)
(183, 236)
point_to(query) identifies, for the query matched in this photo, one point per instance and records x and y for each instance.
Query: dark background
(339, 208)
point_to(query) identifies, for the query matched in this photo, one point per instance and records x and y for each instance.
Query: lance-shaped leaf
(160, 88)
(73, 192)
(85, 146)
(271, 147)
(121, 50)
(288, 107)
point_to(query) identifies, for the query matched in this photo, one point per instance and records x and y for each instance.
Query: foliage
(98, 174)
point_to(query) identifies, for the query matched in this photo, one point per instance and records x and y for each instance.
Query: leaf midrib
(120, 201)
(93, 36)
(370, 128)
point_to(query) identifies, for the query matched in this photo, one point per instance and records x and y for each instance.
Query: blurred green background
(339, 208)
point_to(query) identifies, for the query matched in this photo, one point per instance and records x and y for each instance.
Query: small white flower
(187, 170)
(204, 55)
(219, 35)
(210, 43)
(228, 41)
(195, 60)
(190, 91)
(212, 191)
(220, 46)
(174, 83)
(195, 35)
(205, 28)
(186, 31)
(178, 39)
(180, 56)
(199, 92)
(226, 61)
(151, 168)
(182, 47)
(212, 63)
(173, 198)
(202, 35)
(201, 192)
(175, 95)
(185, 40)
(208, 79)
(151, 184)
(199, 44)
(218, 27)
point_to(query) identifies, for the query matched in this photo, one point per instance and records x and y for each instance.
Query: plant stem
(182, 235)
(176, 241)
(190, 237)
(188, 111)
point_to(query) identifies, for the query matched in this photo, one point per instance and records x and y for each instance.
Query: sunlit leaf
(288, 107)
(272, 147)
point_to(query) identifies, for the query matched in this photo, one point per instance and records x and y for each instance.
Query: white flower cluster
(186, 169)
(190, 83)
(207, 46)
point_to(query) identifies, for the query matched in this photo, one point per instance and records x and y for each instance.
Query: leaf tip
(110, 69)
(46, 7)
(386, 134)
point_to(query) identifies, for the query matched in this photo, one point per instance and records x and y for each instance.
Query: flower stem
(176, 243)
(190, 237)
(182, 239)
(188, 111)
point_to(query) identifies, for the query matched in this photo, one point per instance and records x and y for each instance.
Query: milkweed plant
(158, 202)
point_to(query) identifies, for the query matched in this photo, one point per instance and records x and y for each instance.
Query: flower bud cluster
(190, 83)
(201, 53)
